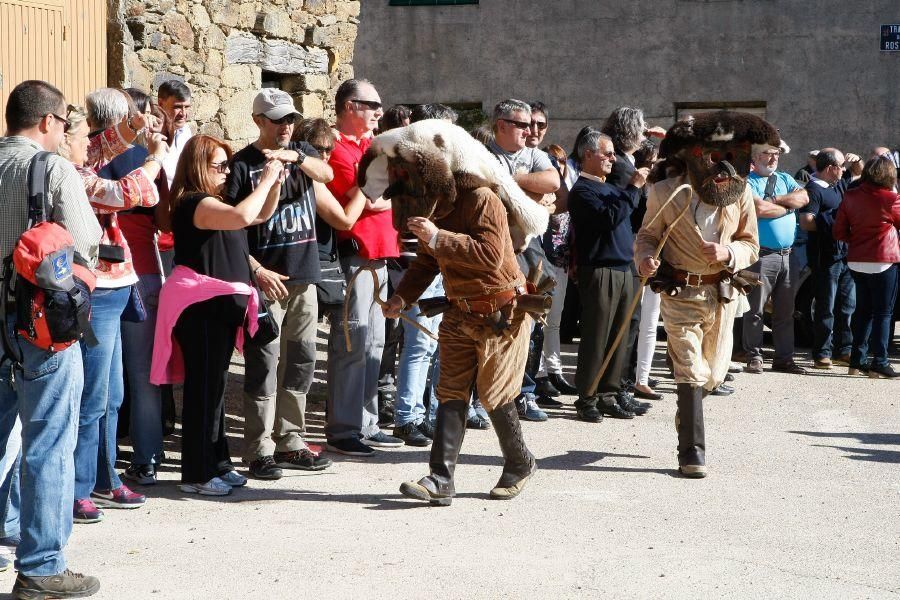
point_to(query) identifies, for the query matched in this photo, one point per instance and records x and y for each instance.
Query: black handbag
(267, 327)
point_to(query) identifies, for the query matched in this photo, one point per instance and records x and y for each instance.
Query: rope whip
(637, 297)
(378, 301)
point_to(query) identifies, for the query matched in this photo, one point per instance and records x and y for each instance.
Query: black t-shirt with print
(286, 243)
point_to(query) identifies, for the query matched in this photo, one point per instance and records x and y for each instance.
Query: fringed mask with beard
(425, 189)
(718, 170)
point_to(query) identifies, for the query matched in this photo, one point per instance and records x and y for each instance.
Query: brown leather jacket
(474, 251)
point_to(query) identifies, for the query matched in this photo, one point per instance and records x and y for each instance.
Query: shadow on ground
(869, 439)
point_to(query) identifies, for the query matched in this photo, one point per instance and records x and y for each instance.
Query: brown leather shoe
(789, 367)
(843, 360)
(755, 365)
(823, 363)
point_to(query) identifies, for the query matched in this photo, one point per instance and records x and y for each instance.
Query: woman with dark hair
(205, 303)
(867, 220)
(396, 116)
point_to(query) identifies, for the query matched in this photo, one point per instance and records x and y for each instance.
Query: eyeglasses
(63, 120)
(371, 104)
(324, 149)
(524, 125)
(221, 167)
(285, 120)
(541, 125)
(772, 153)
(609, 154)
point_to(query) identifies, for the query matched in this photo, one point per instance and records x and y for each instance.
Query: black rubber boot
(691, 436)
(449, 429)
(519, 463)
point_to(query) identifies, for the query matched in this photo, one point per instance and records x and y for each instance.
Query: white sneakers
(213, 487)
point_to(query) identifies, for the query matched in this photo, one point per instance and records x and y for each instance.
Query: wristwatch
(300, 157)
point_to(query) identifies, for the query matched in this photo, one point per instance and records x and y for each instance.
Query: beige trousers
(473, 355)
(700, 337)
(278, 376)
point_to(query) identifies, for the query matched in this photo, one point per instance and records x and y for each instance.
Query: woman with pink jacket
(211, 258)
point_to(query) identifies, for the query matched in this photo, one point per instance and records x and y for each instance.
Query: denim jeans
(10, 499)
(47, 392)
(875, 297)
(835, 303)
(353, 374)
(415, 360)
(95, 454)
(146, 403)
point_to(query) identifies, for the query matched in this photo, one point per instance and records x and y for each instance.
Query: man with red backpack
(43, 386)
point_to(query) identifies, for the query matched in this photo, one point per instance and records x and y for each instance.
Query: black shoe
(610, 407)
(476, 421)
(859, 369)
(302, 460)
(789, 367)
(547, 402)
(627, 401)
(647, 396)
(560, 383)
(411, 435)
(264, 467)
(385, 406)
(543, 387)
(652, 383)
(723, 390)
(349, 447)
(586, 408)
(883, 371)
(64, 585)
(382, 440)
(426, 428)
(729, 377)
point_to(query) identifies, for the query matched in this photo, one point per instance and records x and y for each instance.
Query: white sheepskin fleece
(463, 154)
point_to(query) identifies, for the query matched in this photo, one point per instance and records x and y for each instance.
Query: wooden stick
(378, 301)
(637, 297)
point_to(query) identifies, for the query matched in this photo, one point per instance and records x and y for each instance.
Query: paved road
(801, 502)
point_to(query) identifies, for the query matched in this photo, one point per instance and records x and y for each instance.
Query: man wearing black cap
(285, 261)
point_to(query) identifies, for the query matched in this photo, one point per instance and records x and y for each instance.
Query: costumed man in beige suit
(469, 216)
(712, 237)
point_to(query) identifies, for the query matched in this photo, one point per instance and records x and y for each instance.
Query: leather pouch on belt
(744, 281)
(664, 282)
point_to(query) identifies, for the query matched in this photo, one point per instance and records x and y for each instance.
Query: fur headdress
(718, 127)
(445, 154)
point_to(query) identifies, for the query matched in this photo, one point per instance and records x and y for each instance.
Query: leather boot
(449, 429)
(519, 464)
(691, 437)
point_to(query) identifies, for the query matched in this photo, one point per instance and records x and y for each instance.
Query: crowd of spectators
(197, 247)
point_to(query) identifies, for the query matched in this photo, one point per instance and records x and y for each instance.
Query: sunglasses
(371, 104)
(285, 120)
(524, 125)
(221, 167)
(63, 120)
(610, 154)
(541, 125)
(324, 149)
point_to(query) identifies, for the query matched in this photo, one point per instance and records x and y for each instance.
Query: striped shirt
(67, 200)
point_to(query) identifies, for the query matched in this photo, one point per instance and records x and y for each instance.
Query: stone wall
(225, 50)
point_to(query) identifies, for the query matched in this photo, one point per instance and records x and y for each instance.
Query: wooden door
(60, 41)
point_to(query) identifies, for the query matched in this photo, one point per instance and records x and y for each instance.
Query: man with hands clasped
(285, 262)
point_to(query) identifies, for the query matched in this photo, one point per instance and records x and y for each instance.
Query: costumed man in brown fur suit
(469, 215)
(700, 272)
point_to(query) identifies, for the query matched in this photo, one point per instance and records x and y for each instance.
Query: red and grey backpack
(52, 292)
